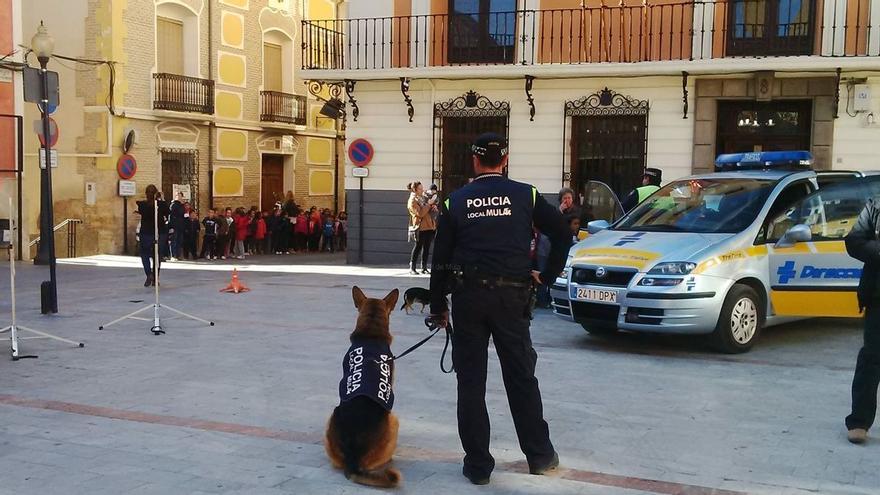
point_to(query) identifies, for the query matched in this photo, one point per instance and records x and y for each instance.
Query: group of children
(239, 233)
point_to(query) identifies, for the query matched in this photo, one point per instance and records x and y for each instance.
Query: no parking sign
(126, 167)
(360, 152)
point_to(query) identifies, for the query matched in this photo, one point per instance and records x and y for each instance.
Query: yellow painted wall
(229, 105)
(319, 151)
(320, 182)
(242, 4)
(321, 9)
(231, 68)
(232, 30)
(228, 181)
(232, 145)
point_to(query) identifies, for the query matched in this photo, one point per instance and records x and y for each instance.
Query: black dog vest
(367, 370)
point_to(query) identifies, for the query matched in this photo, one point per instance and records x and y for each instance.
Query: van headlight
(567, 268)
(673, 268)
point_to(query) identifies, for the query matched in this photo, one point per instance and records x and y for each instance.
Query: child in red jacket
(242, 222)
(301, 233)
(260, 233)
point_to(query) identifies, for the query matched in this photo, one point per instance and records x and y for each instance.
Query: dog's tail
(404, 304)
(387, 478)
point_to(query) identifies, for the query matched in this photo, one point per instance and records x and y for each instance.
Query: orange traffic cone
(235, 285)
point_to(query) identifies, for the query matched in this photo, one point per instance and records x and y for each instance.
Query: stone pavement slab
(241, 407)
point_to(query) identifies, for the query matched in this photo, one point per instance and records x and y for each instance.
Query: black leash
(432, 325)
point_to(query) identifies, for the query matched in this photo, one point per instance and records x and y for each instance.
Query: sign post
(126, 167)
(127, 188)
(360, 152)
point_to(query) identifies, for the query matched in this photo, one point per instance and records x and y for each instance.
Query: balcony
(282, 107)
(680, 30)
(183, 93)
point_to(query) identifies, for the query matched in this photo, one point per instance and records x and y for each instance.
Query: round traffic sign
(360, 152)
(53, 132)
(126, 167)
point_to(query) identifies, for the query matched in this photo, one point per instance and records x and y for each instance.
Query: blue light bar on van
(764, 160)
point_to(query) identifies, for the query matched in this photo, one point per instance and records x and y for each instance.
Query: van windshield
(722, 205)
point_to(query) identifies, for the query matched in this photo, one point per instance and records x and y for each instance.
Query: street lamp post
(43, 44)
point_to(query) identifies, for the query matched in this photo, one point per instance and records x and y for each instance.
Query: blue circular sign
(126, 167)
(360, 152)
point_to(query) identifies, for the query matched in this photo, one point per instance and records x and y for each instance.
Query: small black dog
(416, 295)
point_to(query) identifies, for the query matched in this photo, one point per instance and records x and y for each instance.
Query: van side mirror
(794, 235)
(597, 226)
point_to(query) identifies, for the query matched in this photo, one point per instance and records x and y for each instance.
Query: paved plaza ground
(240, 407)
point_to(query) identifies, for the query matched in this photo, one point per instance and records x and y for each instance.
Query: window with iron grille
(180, 166)
(609, 142)
(457, 123)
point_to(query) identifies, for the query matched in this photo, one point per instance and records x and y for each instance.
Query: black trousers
(208, 246)
(867, 375)
(478, 313)
(423, 247)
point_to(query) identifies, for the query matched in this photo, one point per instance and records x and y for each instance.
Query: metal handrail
(682, 30)
(277, 106)
(71, 224)
(56, 229)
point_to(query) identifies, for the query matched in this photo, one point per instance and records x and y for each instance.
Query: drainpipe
(211, 125)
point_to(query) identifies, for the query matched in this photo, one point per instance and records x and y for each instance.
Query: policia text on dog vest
(367, 370)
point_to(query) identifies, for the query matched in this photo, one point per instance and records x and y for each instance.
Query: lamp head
(43, 44)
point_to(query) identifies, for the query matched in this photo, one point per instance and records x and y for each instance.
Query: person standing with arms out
(147, 210)
(482, 255)
(421, 225)
(863, 244)
(650, 184)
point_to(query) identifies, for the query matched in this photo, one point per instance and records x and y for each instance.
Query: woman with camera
(421, 224)
(147, 210)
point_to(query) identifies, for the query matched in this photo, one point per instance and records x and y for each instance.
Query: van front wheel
(740, 322)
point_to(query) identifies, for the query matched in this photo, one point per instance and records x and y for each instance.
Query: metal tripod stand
(15, 328)
(156, 306)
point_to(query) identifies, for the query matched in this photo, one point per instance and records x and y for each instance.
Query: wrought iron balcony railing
(282, 107)
(183, 93)
(680, 30)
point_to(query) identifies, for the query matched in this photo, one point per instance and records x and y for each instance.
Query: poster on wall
(181, 188)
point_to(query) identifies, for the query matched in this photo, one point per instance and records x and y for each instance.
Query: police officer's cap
(654, 173)
(491, 146)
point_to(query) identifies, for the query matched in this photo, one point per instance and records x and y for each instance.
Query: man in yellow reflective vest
(650, 185)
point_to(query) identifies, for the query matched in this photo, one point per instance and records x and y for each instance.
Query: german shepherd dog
(362, 433)
(416, 295)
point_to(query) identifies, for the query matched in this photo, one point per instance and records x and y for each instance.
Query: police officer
(650, 184)
(481, 255)
(863, 244)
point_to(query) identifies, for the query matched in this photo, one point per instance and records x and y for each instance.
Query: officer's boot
(412, 269)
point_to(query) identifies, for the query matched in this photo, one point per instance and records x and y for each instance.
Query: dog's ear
(391, 299)
(358, 295)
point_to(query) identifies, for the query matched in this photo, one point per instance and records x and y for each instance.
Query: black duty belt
(492, 281)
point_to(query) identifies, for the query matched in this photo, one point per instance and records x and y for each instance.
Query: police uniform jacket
(486, 228)
(863, 244)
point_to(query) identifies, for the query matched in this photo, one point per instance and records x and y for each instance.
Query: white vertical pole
(704, 19)
(834, 34)
(874, 29)
(13, 330)
(156, 262)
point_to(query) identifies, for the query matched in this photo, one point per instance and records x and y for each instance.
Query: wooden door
(169, 46)
(272, 181)
(272, 67)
